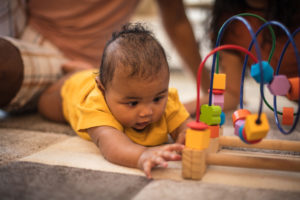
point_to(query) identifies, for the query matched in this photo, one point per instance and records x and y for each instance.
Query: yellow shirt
(84, 107)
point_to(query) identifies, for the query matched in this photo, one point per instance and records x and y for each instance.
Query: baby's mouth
(141, 125)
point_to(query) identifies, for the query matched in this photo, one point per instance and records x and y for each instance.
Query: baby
(126, 109)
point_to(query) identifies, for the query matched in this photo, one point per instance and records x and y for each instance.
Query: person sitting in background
(127, 109)
(65, 35)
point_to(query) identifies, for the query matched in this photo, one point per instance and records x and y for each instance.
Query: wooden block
(287, 116)
(280, 85)
(186, 163)
(214, 131)
(294, 90)
(218, 100)
(193, 164)
(238, 125)
(197, 139)
(210, 114)
(219, 81)
(256, 131)
(221, 131)
(214, 146)
(267, 72)
(240, 114)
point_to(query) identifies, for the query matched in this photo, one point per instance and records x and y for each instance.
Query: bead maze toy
(204, 136)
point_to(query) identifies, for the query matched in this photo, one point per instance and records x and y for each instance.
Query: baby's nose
(146, 111)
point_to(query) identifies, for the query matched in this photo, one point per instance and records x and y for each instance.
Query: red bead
(287, 116)
(294, 91)
(240, 114)
(197, 125)
(216, 91)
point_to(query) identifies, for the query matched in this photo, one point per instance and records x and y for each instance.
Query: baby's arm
(178, 135)
(117, 148)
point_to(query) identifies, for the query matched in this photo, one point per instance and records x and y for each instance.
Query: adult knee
(11, 72)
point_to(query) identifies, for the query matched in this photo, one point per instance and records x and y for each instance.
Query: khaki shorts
(42, 66)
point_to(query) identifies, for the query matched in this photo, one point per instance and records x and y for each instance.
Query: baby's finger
(147, 169)
(160, 161)
(171, 156)
(174, 147)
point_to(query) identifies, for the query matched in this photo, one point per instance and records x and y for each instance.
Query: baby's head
(134, 77)
(135, 51)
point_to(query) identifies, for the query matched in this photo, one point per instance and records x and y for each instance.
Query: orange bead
(240, 114)
(294, 90)
(219, 81)
(214, 131)
(287, 116)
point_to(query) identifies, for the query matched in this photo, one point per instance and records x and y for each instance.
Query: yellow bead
(197, 139)
(256, 131)
(219, 81)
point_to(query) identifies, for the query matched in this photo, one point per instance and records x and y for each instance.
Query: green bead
(210, 114)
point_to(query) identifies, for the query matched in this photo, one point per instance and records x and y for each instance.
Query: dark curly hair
(134, 48)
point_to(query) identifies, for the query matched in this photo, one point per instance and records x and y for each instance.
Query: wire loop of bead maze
(204, 137)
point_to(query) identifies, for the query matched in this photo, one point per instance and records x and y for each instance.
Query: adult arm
(181, 34)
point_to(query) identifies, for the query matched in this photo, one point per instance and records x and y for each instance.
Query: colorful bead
(280, 85)
(267, 72)
(255, 130)
(216, 91)
(223, 118)
(238, 125)
(197, 139)
(210, 114)
(240, 114)
(287, 116)
(214, 131)
(294, 90)
(219, 81)
(218, 100)
(243, 136)
(197, 125)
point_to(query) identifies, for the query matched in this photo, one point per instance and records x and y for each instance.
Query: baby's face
(136, 102)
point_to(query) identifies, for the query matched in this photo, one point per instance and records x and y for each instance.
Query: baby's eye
(157, 99)
(133, 103)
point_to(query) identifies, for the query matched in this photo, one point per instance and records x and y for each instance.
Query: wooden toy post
(194, 162)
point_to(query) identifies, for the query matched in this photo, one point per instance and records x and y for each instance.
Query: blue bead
(223, 118)
(267, 72)
(241, 134)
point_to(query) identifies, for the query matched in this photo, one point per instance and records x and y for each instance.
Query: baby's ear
(99, 84)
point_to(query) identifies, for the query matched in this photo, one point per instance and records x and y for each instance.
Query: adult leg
(11, 72)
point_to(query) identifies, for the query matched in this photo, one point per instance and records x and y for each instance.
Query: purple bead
(237, 126)
(218, 100)
(280, 85)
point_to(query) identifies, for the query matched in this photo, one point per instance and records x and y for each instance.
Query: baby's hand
(154, 156)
